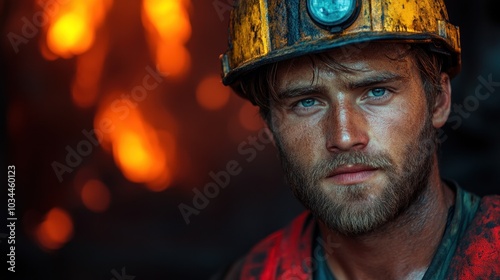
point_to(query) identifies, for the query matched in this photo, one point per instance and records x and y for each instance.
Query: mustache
(379, 160)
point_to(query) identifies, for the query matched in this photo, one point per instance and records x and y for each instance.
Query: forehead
(345, 62)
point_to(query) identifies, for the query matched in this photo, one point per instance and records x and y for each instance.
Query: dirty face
(356, 140)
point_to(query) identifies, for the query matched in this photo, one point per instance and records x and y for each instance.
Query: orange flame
(72, 28)
(169, 28)
(169, 18)
(55, 230)
(143, 154)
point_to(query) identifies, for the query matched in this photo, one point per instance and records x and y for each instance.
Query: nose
(346, 128)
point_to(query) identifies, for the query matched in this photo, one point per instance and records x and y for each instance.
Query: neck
(401, 249)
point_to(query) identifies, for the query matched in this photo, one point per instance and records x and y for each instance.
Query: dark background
(142, 231)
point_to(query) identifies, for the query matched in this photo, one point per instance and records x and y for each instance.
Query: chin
(362, 193)
(355, 209)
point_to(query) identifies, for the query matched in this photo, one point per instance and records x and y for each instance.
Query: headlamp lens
(331, 12)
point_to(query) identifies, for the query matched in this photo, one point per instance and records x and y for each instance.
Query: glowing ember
(172, 59)
(169, 18)
(89, 65)
(55, 230)
(70, 35)
(169, 28)
(139, 155)
(95, 196)
(211, 94)
(143, 154)
(72, 29)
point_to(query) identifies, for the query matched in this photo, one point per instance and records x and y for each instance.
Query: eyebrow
(379, 78)
(300, 91)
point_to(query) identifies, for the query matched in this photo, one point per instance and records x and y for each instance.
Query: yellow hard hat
(268, 31)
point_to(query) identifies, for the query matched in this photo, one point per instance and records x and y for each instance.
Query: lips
(351, 174)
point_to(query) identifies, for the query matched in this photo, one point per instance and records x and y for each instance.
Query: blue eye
(377, 92)
(307, 102)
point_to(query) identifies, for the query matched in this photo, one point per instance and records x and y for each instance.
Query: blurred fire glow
(89, 65)
(249, 117)
(72, 29)
(95, 196)
(211, 94)
(55, 230)
(143, 154)
(169, 28)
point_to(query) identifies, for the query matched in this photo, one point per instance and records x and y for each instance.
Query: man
(353, 93)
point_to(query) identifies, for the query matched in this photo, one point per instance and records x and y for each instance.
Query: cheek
(303, 141)
(393, 130)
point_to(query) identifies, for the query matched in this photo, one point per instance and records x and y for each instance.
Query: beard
(353, 210)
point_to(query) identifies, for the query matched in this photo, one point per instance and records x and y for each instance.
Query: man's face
(355, 140)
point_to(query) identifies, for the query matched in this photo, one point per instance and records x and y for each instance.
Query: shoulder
(490, 205)
(478, 252)
(486, 222)
(279, 252)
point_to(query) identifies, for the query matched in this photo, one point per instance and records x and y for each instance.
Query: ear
(441, 109)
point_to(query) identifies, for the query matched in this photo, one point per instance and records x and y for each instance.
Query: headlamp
(332, 14)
